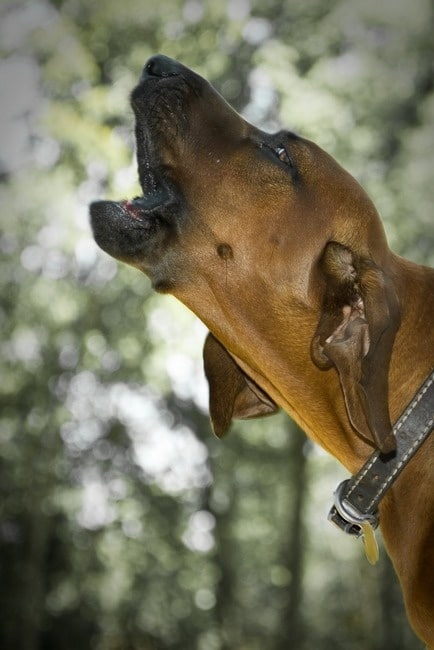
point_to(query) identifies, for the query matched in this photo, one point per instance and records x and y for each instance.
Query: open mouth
(131, 229)
(142, 207)
(122, 228)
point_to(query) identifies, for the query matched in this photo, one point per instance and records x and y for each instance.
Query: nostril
(161, 66)
(150, 68)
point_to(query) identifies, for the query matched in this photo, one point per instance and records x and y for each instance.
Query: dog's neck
(298, 386)
(313, 397)
(415, 333)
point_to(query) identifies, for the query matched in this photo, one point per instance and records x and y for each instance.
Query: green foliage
(123, 523)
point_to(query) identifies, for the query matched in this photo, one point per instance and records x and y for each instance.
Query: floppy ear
(356, 331)
(231, 393)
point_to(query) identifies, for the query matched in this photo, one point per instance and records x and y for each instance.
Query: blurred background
(124, 525)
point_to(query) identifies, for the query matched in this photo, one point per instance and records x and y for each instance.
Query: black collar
(356, 500)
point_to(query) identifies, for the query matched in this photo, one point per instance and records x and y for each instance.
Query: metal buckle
(349, 519)
(346, 516)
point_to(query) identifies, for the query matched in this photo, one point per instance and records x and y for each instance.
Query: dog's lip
(140, 209)
(134, 208)
(143, 206)
(130, 206)
(148, 164)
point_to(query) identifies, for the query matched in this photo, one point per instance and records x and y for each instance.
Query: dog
(283, 256)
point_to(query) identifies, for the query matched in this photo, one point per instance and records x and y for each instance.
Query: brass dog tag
(370, 542)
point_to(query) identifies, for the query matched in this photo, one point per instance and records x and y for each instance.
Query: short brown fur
(283, 256)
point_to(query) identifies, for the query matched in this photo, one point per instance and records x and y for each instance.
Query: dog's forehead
(236, 184)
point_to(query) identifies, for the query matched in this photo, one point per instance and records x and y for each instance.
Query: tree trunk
(292, 631)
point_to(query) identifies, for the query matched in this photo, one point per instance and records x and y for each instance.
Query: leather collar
(357, 498)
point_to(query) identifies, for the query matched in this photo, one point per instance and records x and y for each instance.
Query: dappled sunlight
(19, 111)
(176, 462)
(96, 509)
(178, 336)
(168, 455)
(199, 533)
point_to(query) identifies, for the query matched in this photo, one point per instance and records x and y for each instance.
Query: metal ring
(349, 512)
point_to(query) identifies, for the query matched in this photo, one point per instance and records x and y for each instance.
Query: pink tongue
(132, 209)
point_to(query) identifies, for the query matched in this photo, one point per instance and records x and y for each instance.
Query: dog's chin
(125, 229)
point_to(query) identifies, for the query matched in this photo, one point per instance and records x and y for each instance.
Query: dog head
(196, 157)
(267, 239)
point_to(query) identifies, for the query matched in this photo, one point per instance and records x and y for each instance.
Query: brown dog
(283, 256)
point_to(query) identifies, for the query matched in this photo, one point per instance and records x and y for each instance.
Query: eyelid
(283, 155)
(280, 152)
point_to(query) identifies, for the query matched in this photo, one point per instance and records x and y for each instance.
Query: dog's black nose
(161, 66)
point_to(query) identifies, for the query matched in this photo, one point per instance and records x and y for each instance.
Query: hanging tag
(370, 543)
